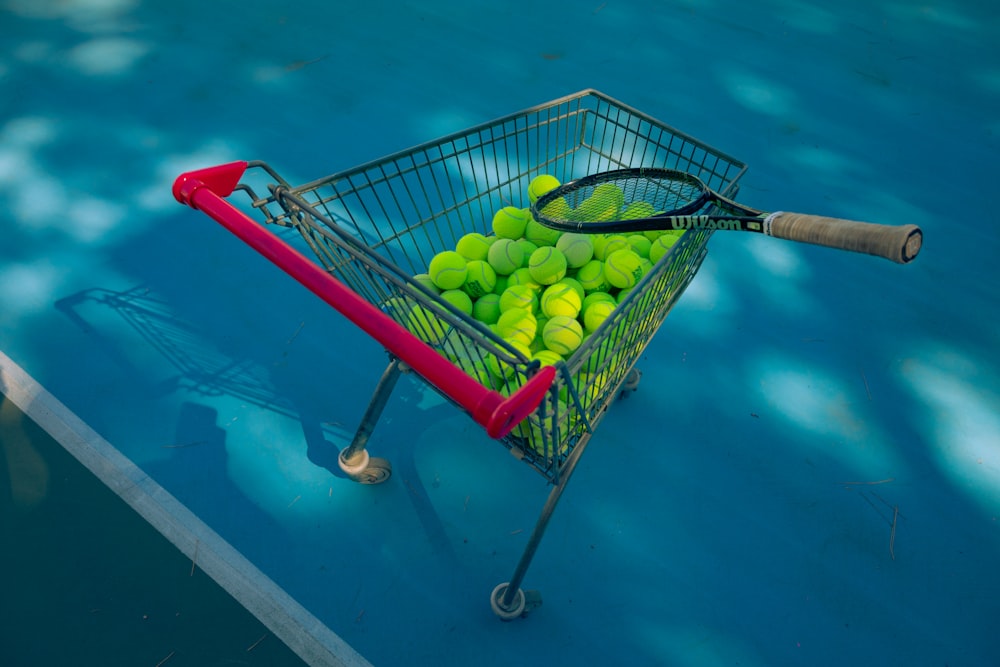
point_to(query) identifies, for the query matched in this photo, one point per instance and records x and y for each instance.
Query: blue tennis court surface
(809, 472)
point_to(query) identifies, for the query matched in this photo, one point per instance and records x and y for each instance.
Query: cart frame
(358, 237)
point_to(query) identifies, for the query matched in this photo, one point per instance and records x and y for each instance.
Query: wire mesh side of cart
(379, 224)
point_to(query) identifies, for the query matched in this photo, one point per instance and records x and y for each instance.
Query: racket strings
(625, 198)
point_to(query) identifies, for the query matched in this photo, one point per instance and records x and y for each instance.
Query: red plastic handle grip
(204, 190)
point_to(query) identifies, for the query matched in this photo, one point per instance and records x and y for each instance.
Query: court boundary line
(302, 632)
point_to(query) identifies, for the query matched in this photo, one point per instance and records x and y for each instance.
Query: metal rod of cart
(358, 239)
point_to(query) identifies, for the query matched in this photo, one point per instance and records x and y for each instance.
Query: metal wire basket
(362, 235)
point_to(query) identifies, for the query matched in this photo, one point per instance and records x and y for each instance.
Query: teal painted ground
(810, 472)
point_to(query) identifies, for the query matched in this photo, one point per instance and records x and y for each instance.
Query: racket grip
(899, 243)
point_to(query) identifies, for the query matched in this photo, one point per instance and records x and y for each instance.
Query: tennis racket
(649, 198)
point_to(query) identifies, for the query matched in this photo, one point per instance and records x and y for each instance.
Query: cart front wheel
(516, 608)
(631, 383)
(365, 469)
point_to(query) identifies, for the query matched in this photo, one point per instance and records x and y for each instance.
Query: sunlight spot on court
(694, 646)
(960, 412)
(28, 131)
(107, 56)
(89, 219)
(27, 288)
(820, 403)
(815, 157)
(933, 13)
(758, 94)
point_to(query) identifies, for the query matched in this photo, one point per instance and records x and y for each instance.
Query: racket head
(621, 199)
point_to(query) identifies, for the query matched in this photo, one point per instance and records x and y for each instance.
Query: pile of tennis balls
(541, 290)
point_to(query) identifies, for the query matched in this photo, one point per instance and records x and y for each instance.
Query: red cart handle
(204, 190)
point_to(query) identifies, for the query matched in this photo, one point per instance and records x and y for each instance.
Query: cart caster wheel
(520, 606)
(365, 469)
(631, 383)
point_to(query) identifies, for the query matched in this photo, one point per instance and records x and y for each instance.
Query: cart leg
(354, 459)
(508, 601)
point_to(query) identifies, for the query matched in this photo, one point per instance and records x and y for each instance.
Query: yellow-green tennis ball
(547, 265)
(541, 235)
(560, 299)
(623, 269)
(623, 293)
(426, 325)
(661, 246)
(558, 209)
(578, 249)
(486, 308)
(594, 297)
(505, 256)
(528, 247)
(596, 313)
(562, 334)
(501, 285)
(426, 281)
(518, 296)
(612, 244)
(637, 210)
(645, 265)
(509, 222)
(519, 325)
(480, 278)
(523, 277)
(448, 270)
(591, 276)
(502, 368)
(575, 284)
(640, 244)
(473, 246)
(609, 192)
(547, 357)
(459, 299)
(539, 185)
(594, 210)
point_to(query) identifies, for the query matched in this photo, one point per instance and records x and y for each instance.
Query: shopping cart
(357, 239)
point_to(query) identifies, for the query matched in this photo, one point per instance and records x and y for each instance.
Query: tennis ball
(637, 210)
(591, 276)
(509, 222)
(501, 285)
(555, 426)
(486, 308)
(480, 278)
(612, 243)
(518, 296)
(426, 281)
(473, 246)
(661, 246)
(596, 313)
(448, 270)
(547, 265)
(562, 334)
(505, 256)
(560, 299)
(426, 325)
(595, 297)
(547, 357)
(609, 192)
(640, 244)
(459, 299)
(623, 269)
(541, 235)
(528, 247)
(523, 277)
(645, 265)
(575, 284)
(578, 248)
(558, 209)
(504, 369)
(594, 210)
(539, 185)
(519, 325)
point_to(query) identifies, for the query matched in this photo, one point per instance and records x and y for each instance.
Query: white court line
(304, 634)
